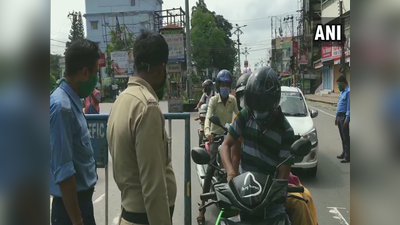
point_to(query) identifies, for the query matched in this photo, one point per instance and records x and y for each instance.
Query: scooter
(220, 175)
(201, 119)
(251, 192)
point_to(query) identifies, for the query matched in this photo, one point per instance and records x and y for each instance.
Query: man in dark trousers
(343, 118)
(72, 164)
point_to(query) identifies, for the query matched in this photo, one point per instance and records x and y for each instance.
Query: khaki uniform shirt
(225, 113)
(141, 159)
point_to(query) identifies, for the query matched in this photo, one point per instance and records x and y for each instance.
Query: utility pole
(188, 52)
(343, 22)
(238, 32)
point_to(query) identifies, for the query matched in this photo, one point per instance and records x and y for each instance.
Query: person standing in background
(138, 142)
(343, 118)
(92, 103)
(72, 164)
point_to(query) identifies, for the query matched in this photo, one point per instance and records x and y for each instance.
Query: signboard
(175, 41)
(102, 60)
(332, 52)
(246, 63)
(295, 48)
(98, 132)
(174, 68)
(284, 43)
(122, 63)
(175, 105)
(303, 57)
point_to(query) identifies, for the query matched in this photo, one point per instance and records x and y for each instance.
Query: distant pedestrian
(72, 165)
(343, 118)
(92, 103)
(138, 141)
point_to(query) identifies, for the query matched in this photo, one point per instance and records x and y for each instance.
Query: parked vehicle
(300, 117)
(250, 192)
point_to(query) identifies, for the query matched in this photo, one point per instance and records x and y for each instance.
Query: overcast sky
(253, 13)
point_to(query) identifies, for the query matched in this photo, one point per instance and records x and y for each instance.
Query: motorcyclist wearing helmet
(208, 92)
(267, 140)
(223, 106)
(298, 210)
(240, 85)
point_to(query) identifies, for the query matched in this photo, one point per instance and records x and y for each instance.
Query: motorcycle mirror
(215, 120)
(200, 156)
(301, 147)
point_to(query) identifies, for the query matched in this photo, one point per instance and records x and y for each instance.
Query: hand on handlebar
(231, 176)
(210, 138)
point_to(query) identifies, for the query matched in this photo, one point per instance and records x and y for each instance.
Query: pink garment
(89, 99)
(294, 180)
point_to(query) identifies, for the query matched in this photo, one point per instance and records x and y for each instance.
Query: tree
(205, 36)
(55, 69)
(223, 56)
(120, 41)
(77, 31)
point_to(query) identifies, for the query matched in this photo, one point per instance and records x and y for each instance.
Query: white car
(300, 117)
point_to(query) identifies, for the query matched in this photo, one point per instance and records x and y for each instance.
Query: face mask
(224, 92)
(160, 92)
(340, 86)
(260, 115)
(86, 88)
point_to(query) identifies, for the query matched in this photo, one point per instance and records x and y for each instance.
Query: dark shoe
(340, 156)
(345, 161)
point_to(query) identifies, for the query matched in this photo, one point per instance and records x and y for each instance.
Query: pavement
(330, 188)
(331, 100)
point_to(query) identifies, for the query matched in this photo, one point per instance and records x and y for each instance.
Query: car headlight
(312, 136)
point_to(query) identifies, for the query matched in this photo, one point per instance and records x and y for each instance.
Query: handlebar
(298, 189)
(208, 196)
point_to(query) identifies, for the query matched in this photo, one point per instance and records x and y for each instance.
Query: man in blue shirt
(343, 118)
(72, 164)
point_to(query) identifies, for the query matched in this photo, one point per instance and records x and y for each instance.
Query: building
(134, 15)
(329, 62)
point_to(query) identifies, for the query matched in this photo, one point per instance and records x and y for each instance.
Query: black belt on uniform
(140, 218)
(341, 114)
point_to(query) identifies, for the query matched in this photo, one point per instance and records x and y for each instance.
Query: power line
(261, 18)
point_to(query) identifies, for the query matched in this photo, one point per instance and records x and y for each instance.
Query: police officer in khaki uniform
(138, 142)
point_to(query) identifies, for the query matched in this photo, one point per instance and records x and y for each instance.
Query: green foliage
(77, 31)
(222, 56)
(53, 82)
(116, 44)
(55, 69)
(205, 36)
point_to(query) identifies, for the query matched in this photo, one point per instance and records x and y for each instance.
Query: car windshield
(292, 104)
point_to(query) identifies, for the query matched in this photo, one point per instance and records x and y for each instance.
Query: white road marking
(337, 215)
(323, 111)
(99, 199)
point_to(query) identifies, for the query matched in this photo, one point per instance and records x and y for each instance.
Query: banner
(122, 63)
(284, 43)
(333, 52)
(303, 57)
(175, 41)
(102, 60)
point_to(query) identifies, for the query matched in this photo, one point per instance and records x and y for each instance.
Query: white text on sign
(96, 130)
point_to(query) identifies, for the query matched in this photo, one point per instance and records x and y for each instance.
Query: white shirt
(206, 98)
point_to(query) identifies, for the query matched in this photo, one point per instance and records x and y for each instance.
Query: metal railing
(97, 125)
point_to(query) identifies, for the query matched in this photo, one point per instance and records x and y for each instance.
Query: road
(330, 188)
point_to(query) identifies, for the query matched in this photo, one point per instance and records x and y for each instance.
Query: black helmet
(240, 85)
(208, 86)
(207, 83)
(263, 92)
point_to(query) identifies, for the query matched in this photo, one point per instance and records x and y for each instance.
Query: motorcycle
(251, 192)
(201, 119)
(220, 175)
